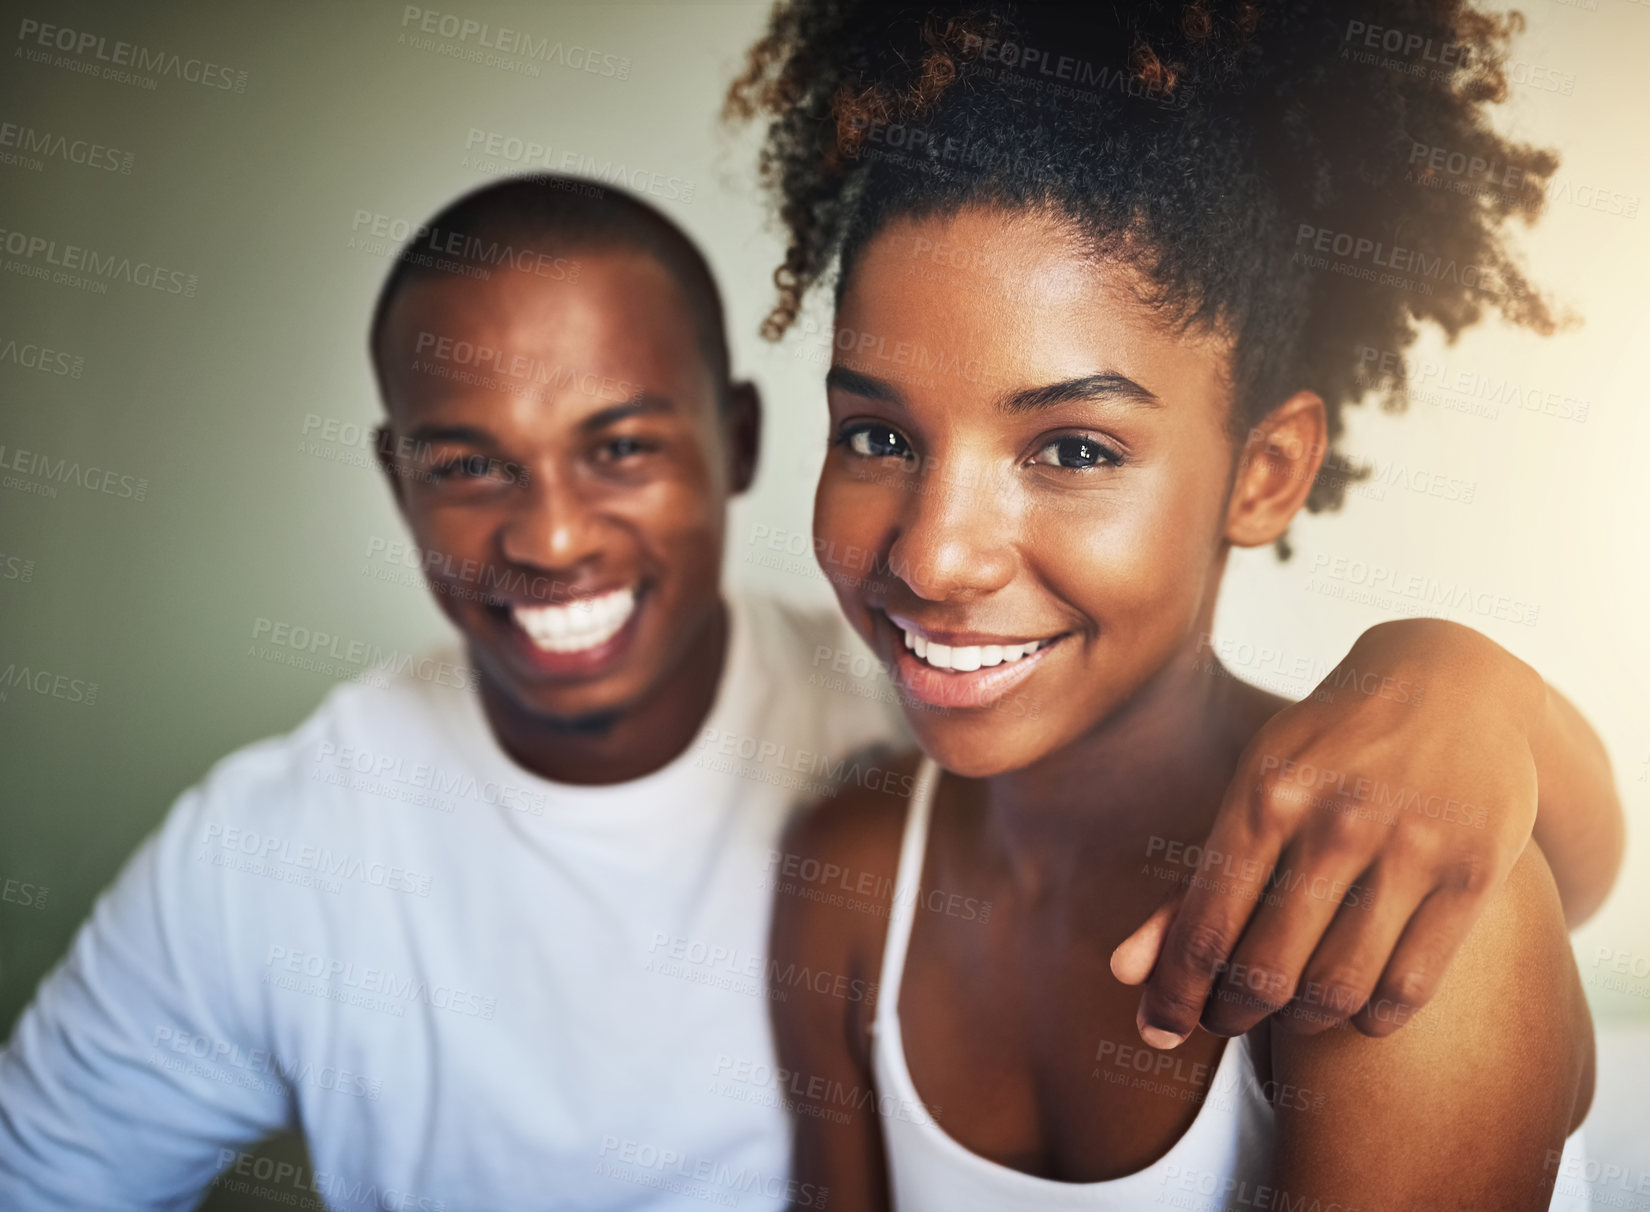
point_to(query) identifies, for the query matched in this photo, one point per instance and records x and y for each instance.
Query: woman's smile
(949, 667)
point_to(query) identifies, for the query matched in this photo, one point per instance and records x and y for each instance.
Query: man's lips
(584, 622)
(581, 636)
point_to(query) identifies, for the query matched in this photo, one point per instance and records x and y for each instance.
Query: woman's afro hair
(1311, 178)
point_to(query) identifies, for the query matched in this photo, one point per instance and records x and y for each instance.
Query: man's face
(558, 451)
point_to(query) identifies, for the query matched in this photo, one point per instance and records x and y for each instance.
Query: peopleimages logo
(48, 474)
(508, 43)
(683, 1167)
(43, 358)
(1346, 575)
(1380, 255)
(336, 974)
(46, 684)
(118, 55)
(50, 145)
(77, 260)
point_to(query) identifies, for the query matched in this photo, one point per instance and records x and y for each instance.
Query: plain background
(215, 399)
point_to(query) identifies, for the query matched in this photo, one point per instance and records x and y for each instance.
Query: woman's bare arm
(1468, 1107)
(823, 1037)
(1578, 822)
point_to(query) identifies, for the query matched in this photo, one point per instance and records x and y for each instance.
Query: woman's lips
(963, 688)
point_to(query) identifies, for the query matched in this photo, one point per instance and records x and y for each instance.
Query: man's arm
(1403, 788)
(134, 1067)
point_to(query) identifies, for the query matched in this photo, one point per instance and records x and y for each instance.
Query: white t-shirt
(470, 987)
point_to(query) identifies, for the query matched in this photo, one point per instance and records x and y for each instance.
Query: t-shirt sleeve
(138, 1069)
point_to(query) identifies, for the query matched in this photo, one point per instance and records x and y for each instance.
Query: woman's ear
(743, 429)
(1280, 459)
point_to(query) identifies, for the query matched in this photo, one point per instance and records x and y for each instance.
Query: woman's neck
(1149, 776)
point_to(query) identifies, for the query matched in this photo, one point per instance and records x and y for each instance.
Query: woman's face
(1024, 502)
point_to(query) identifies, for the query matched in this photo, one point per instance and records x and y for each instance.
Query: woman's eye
(1075, 453)
(875, 442)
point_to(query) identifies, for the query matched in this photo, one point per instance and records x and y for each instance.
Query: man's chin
(585, 709)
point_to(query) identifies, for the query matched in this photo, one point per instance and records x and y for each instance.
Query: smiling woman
(1130, 360)
(1115, 434)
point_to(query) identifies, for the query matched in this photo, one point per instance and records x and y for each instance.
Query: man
(495, 945)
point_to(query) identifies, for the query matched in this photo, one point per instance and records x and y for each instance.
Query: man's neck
(628, 744)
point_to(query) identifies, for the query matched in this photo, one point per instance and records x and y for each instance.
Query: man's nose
(554, 524)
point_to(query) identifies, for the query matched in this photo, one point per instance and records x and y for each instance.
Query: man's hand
(1360, 838)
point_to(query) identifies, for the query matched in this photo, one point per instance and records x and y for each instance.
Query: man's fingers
(1230, 879)
(1341, 975)
(1295, 912)
(1416, 968)
(1132, 962)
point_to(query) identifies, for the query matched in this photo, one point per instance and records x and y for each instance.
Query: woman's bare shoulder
(1469, 1103)
(848, 843)
(833, 888)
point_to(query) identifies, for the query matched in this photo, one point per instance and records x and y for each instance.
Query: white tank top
(1228, 1145)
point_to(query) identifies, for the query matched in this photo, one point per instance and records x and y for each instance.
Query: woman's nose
(956, 535)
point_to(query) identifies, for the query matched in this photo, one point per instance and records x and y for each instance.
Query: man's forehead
(627, 303)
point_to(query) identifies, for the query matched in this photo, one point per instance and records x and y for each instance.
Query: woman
(1103, 279)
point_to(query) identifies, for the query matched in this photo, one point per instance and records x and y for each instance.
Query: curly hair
(1312, 178)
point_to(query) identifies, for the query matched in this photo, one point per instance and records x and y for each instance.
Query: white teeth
(579, 625)
(969, 658)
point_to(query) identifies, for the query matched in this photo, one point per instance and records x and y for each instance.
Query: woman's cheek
(837, 524)
(1133, 571)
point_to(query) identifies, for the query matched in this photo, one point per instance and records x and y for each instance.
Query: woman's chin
(964, 753)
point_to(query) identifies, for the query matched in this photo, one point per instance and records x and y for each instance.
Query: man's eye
(1076, 453)
(623, 448)
(875, 442)
(471, 468)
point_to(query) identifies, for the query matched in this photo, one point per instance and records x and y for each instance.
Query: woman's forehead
(1018, 292)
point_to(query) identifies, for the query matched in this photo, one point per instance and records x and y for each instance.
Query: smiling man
(501, 946)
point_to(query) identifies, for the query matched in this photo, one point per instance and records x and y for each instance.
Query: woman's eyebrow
(843, 379)
(1107, 385)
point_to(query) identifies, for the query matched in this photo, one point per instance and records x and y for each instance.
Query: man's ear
(383, 445)
(1280, 459)
(742, 427)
